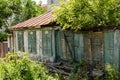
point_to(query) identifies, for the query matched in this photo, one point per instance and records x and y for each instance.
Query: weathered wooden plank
(116, 48)
(79, 46)
(67, 45)
(111, 48)
(87, 47)
(97, 47)
(40, 44)
(26, 41)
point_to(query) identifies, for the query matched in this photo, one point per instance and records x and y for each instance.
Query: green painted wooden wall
(78, 46)
(103, 47)
(64, 45)
(112, 47)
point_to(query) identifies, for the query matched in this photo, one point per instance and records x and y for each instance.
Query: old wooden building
(43, 39)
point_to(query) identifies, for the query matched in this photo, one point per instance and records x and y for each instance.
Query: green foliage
(112, 73)
(28, 10)
(86, 14)
(3, 36)
(20, 10)
(5, 12)
(14, 67)
(81, 72)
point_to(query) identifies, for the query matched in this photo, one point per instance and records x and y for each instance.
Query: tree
(15, 11)
(29, 9)
(5, 12)
(87, 14)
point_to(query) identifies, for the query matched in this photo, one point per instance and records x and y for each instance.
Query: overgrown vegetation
(86, 71)
(18, 67)
(87, 14)
(3, 36)
(14, 67)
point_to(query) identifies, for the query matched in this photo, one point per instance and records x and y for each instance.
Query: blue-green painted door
(78, 47)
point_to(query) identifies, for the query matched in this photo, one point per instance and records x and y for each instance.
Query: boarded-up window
(20, 36)
(47, 43)
(32, 41)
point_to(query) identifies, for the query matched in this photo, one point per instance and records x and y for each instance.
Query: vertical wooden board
(57, 44)
(37, 41)
(116, 49)
(93, 47)
(87, 47)
(67, 45)
(40, 44)
(15, 41)
(63, 46)
(119, 50)
(1, 49)
(78, 46)
(110, 50)
(106, 47)
(53, 51)
(26, 41)
(20, 39)
(32, 42)
(97, 47)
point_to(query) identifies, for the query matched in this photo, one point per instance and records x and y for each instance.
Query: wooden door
(67, 48)
(97, 47)
(94, 47)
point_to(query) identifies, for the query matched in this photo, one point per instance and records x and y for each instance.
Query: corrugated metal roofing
(43, 19)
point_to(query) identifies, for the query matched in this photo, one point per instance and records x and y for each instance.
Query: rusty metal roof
(41, 20)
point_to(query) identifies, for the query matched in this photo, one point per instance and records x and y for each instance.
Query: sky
(43, 1)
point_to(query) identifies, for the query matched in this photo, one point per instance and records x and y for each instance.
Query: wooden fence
(3, 49)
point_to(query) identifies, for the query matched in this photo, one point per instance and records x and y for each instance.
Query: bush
(13, 67)
(84, 71)
(112, 73)
(3, 36)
